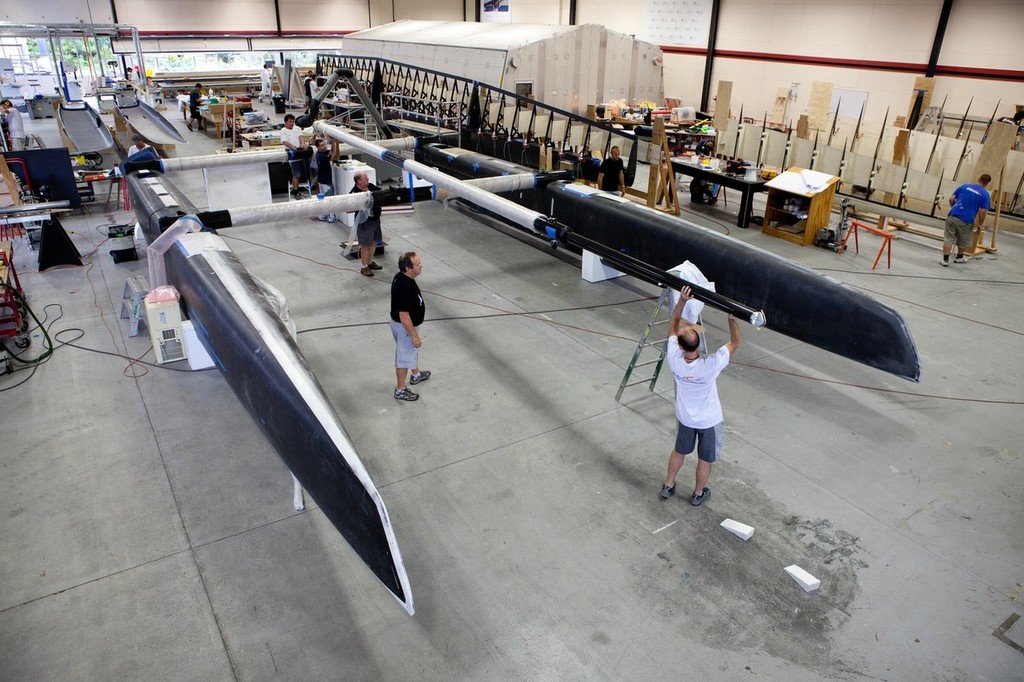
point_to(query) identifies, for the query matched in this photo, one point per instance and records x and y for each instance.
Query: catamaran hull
(254, 351)
(796, 300)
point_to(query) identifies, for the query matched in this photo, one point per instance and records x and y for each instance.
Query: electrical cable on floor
(47, 341)
(113, 354)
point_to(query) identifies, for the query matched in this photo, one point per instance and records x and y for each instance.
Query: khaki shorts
(957, 232)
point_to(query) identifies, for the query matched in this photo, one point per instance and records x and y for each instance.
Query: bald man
(699, 416)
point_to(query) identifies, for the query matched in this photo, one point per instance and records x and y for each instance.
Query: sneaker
(697, 500)
(419, 378)
(667, 492)
(374, 266)
(189, 125)
(945, 263)
(960, 259)
(406, 394)
(366, 271)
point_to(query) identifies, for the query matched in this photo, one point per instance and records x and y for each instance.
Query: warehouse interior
(150, 527)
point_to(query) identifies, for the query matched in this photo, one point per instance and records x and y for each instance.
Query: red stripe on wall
(245, 34)
(905, 67)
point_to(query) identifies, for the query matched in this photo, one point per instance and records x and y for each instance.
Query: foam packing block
(803, 578)
(740, 530)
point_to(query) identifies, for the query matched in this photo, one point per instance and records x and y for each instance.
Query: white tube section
(266, 156)
(307, 208)
(475, 195)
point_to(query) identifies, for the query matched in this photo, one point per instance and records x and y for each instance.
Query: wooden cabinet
(796, 215)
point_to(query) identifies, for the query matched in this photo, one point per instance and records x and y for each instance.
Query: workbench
(746, 188)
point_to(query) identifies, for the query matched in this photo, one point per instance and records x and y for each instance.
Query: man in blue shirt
(969, 204)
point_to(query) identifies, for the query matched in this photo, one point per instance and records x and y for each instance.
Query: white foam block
(740, 530)
(803, 578)
(196, 353)
(596, 271)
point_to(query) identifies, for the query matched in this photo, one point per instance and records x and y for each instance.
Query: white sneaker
(960, 259)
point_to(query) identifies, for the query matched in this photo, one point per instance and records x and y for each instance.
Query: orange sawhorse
(855, 225)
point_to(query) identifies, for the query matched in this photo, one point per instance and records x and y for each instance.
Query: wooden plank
(817, 107)
(927, 85)
(993, 153)
(803, 127)
(723, 101)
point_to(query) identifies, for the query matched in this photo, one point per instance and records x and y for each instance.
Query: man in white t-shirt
(266, 81)
(291, 137)
(15, 126)
(698, 409)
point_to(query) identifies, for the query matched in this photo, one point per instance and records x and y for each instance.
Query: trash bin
(278, 104)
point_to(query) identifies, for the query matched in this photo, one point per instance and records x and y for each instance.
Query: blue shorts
(407, 356)
(708, 441)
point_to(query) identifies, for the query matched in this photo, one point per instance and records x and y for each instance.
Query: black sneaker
(406, 394)
(419, 378)
(667, 492)
(697, 500)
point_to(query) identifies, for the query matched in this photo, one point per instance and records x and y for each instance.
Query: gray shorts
(368, 233)
(957, 232)
(407, 356)
(708, 441)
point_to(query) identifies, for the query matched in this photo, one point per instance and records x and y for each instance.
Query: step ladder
(132, 308)
(640, 359)
(658, 344)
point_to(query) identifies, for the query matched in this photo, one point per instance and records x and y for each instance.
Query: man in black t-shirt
(611, 177)
(195, 100)
(407, 311)
(368, 232)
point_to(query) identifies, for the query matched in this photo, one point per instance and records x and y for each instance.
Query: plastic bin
(278, 104)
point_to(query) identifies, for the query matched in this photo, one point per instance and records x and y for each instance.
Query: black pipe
(709, 59)
(940, 33)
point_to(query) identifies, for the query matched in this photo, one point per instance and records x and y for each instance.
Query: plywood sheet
(750, 141)
(828, 159)
(800, 154)
(922, 186)
(775, 149)
(817, 107)
(857, 170)
(726, 142)
(994, 151)
(558, 129)
(723, 100)
(889, 177)
(920, 147)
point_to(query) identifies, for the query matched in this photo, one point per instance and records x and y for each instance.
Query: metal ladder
(646, 343)
(132, 308)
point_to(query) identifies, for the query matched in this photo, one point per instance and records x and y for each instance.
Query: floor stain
(739, 597)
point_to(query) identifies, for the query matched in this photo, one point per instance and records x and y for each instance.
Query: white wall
(982, 34)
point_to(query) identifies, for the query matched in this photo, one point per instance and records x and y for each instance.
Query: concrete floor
(148, 531)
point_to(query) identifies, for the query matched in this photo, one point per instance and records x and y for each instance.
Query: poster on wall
(496, 11)
(686, 23)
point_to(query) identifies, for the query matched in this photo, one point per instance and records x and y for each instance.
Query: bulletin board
(686, 23)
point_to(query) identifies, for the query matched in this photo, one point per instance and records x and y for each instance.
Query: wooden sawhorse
(856, 225)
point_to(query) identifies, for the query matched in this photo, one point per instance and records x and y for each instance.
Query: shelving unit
(797, 216)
